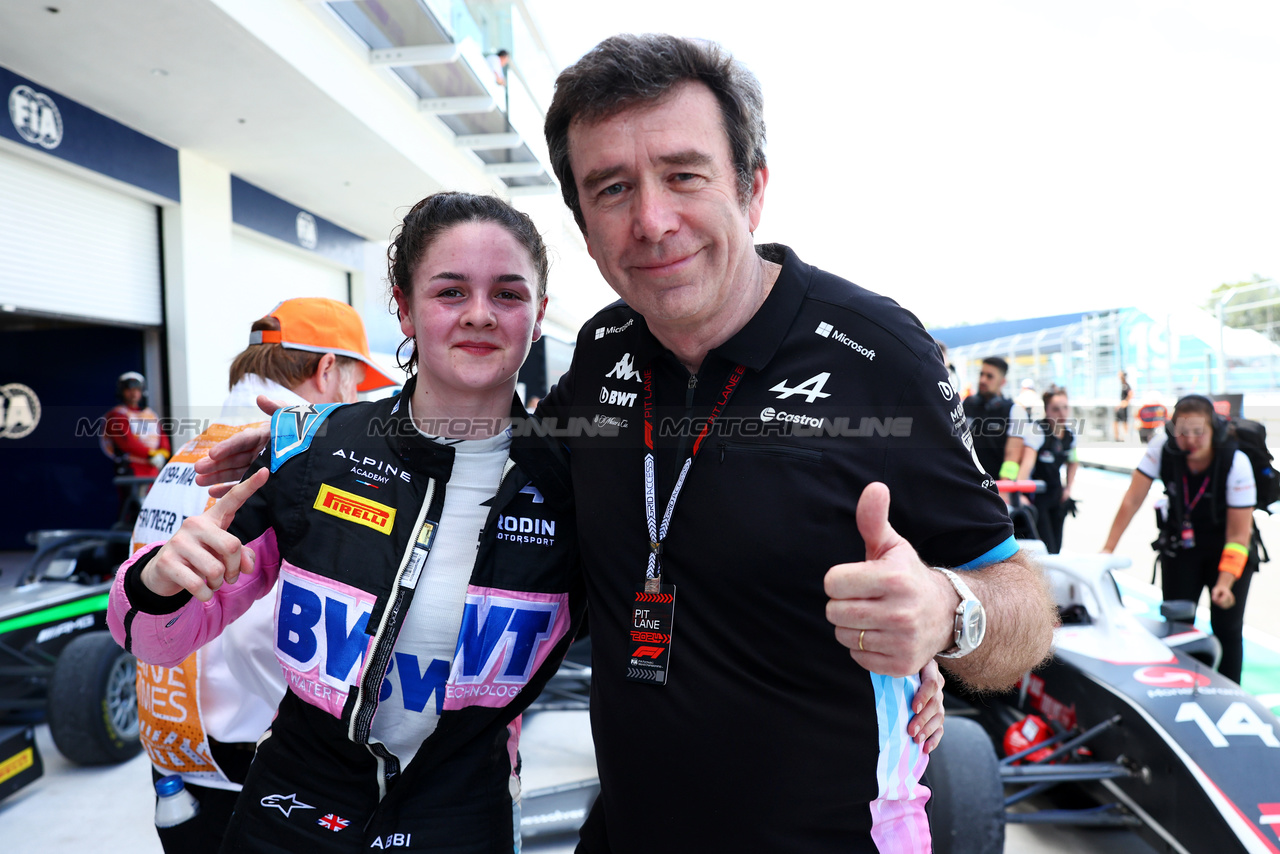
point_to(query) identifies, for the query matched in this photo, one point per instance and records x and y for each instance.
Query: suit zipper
(376, 667)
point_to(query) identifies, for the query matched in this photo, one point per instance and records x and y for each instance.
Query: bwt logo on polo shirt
(353, 508)
(35, 117)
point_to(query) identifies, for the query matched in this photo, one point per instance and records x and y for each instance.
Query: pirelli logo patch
(354, 508)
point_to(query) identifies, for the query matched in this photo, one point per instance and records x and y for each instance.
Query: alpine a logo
(354, 508)
(826, 330)
(624, 370)
(810, 388)
(35, 117)
(602, 331)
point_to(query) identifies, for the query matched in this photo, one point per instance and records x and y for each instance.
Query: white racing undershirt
(412, 695)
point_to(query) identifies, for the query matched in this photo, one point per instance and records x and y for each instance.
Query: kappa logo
(285, 803)
(624, 370)
(826, 330)
(602, 331)
(355, 508)
(810, 388)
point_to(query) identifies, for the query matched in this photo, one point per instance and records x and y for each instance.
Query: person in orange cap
(221, 699)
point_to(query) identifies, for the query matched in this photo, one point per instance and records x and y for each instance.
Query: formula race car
(1130, 716)
(58, 661)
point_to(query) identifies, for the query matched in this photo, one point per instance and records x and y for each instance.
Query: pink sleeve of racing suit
(167, 639)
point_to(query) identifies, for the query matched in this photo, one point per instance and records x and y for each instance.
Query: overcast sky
(986, 160)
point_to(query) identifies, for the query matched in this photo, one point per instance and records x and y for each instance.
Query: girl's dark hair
(435, 215)
(1051, 393)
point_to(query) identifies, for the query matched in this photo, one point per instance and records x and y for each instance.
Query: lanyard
(656, 534)
(1194, 501)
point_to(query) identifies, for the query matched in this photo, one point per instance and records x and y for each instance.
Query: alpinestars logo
(285, 803)
(826, 330)
(624, 370)
(810, 388)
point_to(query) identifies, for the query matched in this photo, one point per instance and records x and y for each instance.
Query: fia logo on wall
(19, 411)
(35, 117)
(305, 225)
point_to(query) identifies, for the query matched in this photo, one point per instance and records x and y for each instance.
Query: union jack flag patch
(333, 822)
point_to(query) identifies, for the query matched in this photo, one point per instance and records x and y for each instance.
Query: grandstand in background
(1165, 353)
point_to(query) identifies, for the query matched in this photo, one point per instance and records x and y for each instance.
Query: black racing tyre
(967, 814)
(93, 702)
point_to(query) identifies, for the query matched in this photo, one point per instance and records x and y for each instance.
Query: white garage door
(72, 248)
(273, 273)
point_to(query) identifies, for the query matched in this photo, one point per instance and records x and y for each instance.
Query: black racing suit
(348, 554)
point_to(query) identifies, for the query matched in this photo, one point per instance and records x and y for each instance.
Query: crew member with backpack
(1215, 472)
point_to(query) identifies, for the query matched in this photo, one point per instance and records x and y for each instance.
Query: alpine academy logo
(810, 388)
(624, 370)
(354, 508)
(826, 330)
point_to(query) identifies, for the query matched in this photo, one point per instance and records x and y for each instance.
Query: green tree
(1252, 304)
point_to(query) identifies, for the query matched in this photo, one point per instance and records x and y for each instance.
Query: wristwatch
(971, 619)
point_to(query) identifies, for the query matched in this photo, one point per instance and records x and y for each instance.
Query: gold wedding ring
(862, 634)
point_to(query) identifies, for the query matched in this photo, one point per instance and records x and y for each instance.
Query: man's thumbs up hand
(891, 611)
